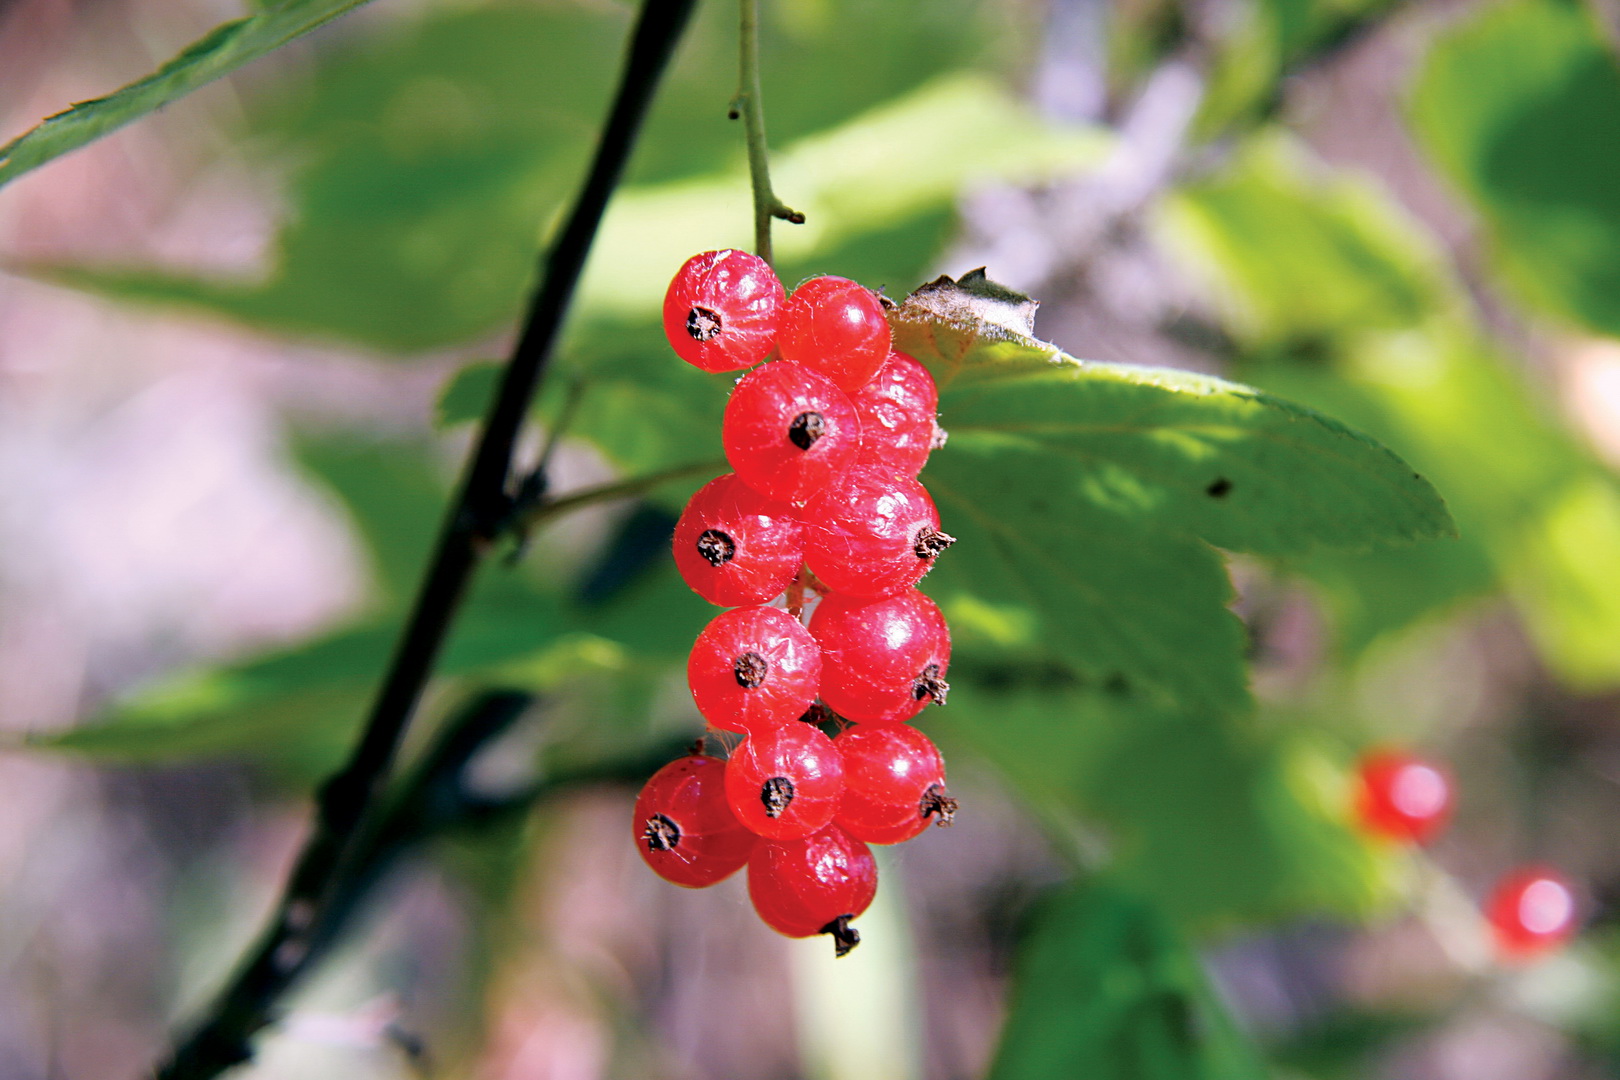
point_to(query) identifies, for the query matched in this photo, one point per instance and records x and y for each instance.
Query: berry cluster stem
(749, 106)
(347, 805)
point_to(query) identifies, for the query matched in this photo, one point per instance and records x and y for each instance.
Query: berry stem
(748, 106)
(349, 804)
(526, 515)
(795, 594)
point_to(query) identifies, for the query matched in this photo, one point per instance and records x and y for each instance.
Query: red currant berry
(882, 660)
(734, 546)
(1531, 911)
(753, 668)
(722, 309)
(1401, 798)
(873, 532)
(896, 410)
(789, 432)
(785, 781)
(684, 826)
(894, 784)
(837, 327)
(813, 885)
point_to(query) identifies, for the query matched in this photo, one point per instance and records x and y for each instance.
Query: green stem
(749, 105)
(627, 488)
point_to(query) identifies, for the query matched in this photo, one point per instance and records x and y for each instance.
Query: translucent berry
(1531, 911)
(1401, 798)
(785, 781)
(789, 432)
(684, 826)
(837, 327)
(813, 885)
(722, 309)
(897, 413)
(753, 668)
(873, 532)
(894, 784)
(883, 660)
(734, 546)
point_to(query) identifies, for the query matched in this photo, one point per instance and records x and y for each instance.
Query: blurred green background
(242, 344)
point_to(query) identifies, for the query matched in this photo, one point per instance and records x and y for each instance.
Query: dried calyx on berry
(930, 685)
(845, 937)
(930, 542)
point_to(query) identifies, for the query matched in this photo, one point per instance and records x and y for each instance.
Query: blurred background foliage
(1169, 884)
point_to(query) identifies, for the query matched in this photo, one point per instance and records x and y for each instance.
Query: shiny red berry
(894, 784)
(789, 432)
(734, 546)
(882, 660)
(785, 781)
(722, 310)
(897, 413)
(837, 327)
(753, 668)
(1400, 797)
(1531, 911)
(684, 826)
(813, 885)
(873, 532)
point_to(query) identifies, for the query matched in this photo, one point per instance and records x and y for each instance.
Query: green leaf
(467, 395)
(394, 493)
(1517, 107)
(296, 712)
(1219, 824)
(1104, 989)
(430, 172)
(1084, 494)
(1239, 468)
(1541, 518)
(1042, 568)
(1298, 258)
(222, 51)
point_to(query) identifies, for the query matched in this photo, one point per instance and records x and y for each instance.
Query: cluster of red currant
(826, 441)
(1406, 800)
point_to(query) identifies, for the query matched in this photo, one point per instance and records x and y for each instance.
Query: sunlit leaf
(226, 48)
(1517, 106)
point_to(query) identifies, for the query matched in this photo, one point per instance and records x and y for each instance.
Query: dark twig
(284, 948)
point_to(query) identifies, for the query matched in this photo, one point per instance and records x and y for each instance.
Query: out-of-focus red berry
(1401, 797)
(1531, 911)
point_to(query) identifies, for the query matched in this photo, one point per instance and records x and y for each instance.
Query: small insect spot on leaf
(1219, 489)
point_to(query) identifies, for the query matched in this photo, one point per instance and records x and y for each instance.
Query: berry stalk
(749, 107)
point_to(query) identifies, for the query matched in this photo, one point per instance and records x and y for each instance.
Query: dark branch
(285, 948)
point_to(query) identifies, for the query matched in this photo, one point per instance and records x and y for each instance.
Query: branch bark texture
(350, 799)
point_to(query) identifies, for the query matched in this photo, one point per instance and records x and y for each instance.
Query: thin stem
(627, 488)
(286, 946)
(749, 105)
